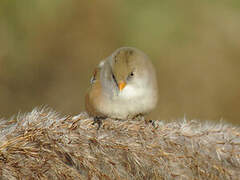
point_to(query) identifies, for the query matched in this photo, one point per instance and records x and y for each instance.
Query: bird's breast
(130, 101)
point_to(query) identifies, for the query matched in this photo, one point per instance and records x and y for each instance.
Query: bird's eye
(130, 76)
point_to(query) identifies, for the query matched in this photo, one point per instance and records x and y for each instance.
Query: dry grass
(45, 145)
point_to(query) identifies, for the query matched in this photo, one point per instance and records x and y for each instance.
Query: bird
(123, 86)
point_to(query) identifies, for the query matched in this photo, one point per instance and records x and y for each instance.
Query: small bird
(123, 86)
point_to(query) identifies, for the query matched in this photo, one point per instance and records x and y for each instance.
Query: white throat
(132, 91)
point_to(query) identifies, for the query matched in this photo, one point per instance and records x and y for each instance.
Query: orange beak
(121, 85)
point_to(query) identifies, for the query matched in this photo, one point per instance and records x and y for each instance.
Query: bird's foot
(152, 122)
(98, 120)
(138, 117)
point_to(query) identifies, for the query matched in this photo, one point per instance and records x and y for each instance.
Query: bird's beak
(121, 85)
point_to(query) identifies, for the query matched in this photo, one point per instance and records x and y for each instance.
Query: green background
(48, 50)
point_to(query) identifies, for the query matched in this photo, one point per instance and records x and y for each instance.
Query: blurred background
(48, 50)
